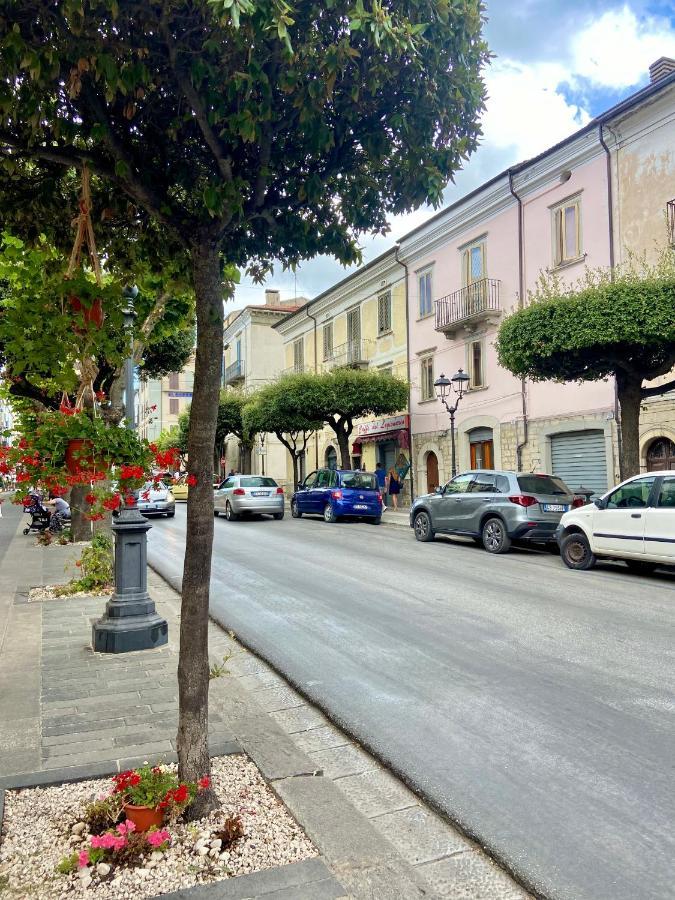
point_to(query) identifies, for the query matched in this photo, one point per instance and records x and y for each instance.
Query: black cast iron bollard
(130, 621)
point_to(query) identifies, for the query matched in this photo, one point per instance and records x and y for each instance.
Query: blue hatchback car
(334, 493)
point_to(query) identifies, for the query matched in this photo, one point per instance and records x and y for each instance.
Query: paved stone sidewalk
(61, 705)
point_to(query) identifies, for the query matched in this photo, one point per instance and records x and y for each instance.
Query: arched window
(331, 458)
(661, 455)
(482, 448)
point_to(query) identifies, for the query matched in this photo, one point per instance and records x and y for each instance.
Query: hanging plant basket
(93, 313)
(80, 456)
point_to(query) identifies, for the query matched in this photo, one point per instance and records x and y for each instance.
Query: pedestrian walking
(381, 475)
(393, 486)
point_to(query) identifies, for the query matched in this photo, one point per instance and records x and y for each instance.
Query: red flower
(153, 407)
(100, 396)
(191, 480)
(130, 500)
(180, 795)
(204, 782)
(90, 498)
(112, 503)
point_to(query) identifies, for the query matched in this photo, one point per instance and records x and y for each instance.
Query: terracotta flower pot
(93, 315)
(79, 456)
(144, 817)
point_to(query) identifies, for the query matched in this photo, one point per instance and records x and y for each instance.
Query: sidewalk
(64, 707)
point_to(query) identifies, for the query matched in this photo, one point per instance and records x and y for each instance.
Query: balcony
(469, 307)
(297, 369)
(235, 372)
(352, 355)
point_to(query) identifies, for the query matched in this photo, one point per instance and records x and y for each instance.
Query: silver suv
(494, 508)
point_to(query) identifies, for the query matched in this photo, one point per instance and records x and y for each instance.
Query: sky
(557, 64)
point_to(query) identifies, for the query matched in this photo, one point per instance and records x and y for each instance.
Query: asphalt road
(532, 704)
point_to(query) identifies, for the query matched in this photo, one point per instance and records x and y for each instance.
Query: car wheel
(329, 513)
(230, 515)
(423, 528)
(638, 567)
(576, 552)
(216, 514)
(495, 538)
(295, 512)
(278, 516)
(376, 520)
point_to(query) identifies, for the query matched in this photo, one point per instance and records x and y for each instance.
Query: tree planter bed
(37, 833)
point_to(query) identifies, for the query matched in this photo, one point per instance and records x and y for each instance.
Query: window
(475, 365)
(362, 481)
(328, 340)
(323, 478)
(632, 495)
(461, 484)
(387, 369)
(427, 378)
(667, 493)
(484, 484)
(474, 266)
(384, 313)
(542, 484)
(310, 481)
(299, 355)
(174, 382)
(567, 231)
(257, 481)
(173, 406)
(424, 283)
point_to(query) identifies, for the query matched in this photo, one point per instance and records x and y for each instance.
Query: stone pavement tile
(82, 737)
(81, 726)
(322, 738)
(375, 792)
(274, 752)
(340, 761)
(15, 763)
(260, 682)
(275, 698)
(420, 835)
(300, 719)
(470, 876)
(75, 745)
(15, 698)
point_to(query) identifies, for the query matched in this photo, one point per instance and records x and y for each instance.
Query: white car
(634, 522)
(156, 500)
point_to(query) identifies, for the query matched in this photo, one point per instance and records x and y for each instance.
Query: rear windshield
(258, 481)
(542, 484)
(362, 481)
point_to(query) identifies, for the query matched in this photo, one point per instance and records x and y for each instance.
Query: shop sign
(176, 394)
(381, 426)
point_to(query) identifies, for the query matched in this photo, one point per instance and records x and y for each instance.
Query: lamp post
(129, 314)
(445, 387)
(131, 621)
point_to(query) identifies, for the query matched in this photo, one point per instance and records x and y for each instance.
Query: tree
(279, 409)
(619, 325)
(247, 132)
(342, 395)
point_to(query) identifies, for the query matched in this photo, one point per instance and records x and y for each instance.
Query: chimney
(272, 298)
(661, 69)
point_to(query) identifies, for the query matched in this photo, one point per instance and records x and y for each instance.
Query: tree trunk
(295, 458)
(629, 388)
(343, 443)
(80, 528)
(193, 662)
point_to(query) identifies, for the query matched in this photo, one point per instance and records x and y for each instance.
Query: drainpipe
(610, 221)
(521, 304)
(316, 369)
(407, 338)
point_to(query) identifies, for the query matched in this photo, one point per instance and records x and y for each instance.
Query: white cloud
(616, 50)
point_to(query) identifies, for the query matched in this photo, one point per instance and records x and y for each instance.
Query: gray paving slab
(375, 792)
(420, 835)
(341, 761)
(471, 876)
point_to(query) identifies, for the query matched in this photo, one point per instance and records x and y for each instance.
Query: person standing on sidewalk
(381, 475)
(393, 486)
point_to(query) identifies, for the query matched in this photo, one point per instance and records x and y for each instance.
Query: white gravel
(37, 834)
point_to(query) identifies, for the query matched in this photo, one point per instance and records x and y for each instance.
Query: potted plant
(153, 794)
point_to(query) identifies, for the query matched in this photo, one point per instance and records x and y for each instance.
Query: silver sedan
(249, 494)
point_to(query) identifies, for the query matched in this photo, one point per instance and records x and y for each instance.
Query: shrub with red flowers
(159, 788)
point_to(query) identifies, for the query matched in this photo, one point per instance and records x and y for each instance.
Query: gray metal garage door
(579, 458)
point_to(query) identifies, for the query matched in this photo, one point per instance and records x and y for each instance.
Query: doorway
(432, 472)
(661, 456)
(331, 458)
(387, 452)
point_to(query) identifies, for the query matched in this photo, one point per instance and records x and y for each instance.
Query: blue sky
(558, 63)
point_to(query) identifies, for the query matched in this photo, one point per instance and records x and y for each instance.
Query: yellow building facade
(361, 323)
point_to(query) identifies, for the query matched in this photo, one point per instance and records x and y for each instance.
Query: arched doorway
(661, 455)
(432, 472)
(331, 458)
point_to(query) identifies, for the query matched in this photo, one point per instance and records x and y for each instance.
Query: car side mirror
(601, 503)
(438, 489)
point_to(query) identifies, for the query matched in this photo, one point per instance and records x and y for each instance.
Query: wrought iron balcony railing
(475, 302)
(234, 372)
(352, 354)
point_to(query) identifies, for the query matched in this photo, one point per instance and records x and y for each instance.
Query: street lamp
(131, 621)
(129, 314)
(445, 387)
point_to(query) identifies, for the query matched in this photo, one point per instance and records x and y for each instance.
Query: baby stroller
(39, 515)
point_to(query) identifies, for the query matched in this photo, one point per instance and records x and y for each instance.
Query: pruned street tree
(609, 325)
(246, 131)
(279, 409)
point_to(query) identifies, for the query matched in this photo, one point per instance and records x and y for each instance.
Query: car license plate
(260, 493)
(554, 507)
(147, 506)
(360, 506)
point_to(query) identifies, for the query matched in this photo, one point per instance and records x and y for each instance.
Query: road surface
(531, 704)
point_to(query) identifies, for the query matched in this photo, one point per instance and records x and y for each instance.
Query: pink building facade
(475, 262)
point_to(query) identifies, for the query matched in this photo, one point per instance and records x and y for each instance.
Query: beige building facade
(160, 401)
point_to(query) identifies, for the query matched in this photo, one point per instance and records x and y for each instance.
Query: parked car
(494, 508)
(249, 495)
(334, 493)
(179, 489)
(156, 500)
(634, 522)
